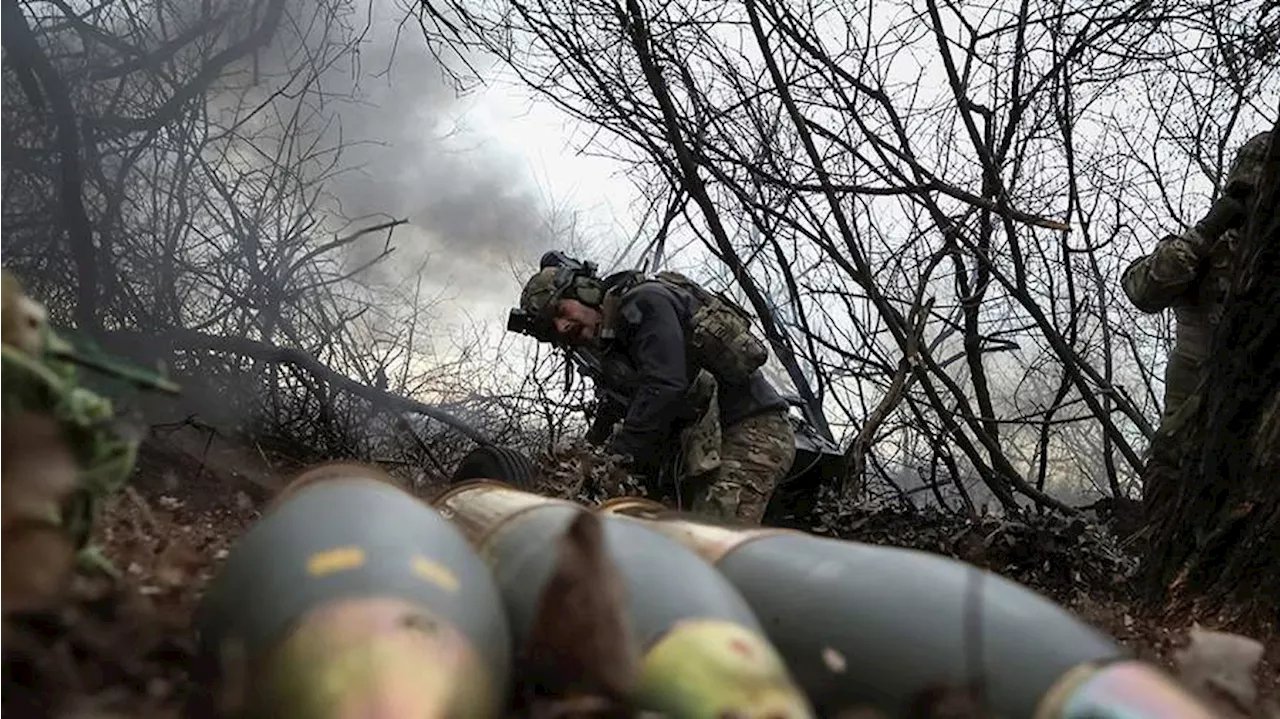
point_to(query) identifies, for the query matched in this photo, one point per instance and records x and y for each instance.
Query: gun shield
(878, 627)
(350, 596)
(700, 650)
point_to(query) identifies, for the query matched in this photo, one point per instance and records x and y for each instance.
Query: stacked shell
(352, 598)
(891, 629)
(606, 606)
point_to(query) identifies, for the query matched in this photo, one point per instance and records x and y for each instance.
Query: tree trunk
(1213, 488)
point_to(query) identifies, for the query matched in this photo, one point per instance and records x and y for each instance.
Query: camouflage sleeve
(1155, 281)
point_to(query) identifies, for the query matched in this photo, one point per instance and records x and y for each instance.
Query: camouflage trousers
(755, 454)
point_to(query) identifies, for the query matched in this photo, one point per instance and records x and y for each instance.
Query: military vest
(718, 337)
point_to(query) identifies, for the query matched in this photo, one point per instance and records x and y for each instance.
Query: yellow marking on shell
(436, 573)
(339, 559)
(709, 668)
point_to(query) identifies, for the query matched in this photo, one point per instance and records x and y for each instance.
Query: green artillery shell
(871, 626)
(351, 596)
(704, 654)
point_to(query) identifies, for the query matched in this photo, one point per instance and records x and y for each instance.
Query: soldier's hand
(598, 434)
(1227, 213)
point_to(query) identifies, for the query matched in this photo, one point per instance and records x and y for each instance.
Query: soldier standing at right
(1191, 272)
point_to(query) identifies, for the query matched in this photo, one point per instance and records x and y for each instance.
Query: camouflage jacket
(650, 339)
(1192, 274)
(1193, 277)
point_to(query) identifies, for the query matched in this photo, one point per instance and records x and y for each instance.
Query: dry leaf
(178, 564)
(38, 559)
(1218, 664)
(580, 639)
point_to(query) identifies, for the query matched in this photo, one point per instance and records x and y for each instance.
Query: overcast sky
(481, 176)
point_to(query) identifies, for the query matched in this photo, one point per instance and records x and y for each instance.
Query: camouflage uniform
(755, 455)
(1191, 273)
(734, 440)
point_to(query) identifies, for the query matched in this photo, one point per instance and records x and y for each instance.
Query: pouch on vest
(700, 441)
(720, 337)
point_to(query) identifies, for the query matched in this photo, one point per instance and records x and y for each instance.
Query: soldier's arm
(608, 413)
(658, 351)
(1155, 281)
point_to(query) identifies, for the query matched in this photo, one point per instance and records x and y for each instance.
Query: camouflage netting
(64, 450)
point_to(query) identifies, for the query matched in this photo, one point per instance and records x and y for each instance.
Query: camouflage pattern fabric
(538, 291)
(1193, 275)
(755, 454)
(38, 381)
(1171, 276)
(545, 288)
(1246, 170)
(719, 335)
(729, 472)
(702, 440)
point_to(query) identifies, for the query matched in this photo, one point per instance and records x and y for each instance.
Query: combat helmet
(1246, 169)
(561, 277)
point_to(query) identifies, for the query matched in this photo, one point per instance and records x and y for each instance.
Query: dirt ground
(120, 647)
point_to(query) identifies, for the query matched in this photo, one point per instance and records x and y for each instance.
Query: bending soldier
(1191, 272)
(686, 362)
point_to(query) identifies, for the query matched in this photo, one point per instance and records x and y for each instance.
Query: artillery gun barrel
(872, 626)
(352, 598)
(701, 651)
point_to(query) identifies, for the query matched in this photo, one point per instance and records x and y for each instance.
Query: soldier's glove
(1226, 214)
(598, 433)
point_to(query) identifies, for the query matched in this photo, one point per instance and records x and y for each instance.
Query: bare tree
(927, 207)
(167, 191)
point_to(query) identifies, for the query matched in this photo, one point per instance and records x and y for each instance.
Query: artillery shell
(1119, 689)
(350, 594)
(372, 658)
(877, 627)
(702, 652)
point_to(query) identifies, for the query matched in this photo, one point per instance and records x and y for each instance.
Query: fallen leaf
(177, 564)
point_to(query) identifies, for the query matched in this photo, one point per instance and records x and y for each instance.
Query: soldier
(1191, 272)
(686, 360)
